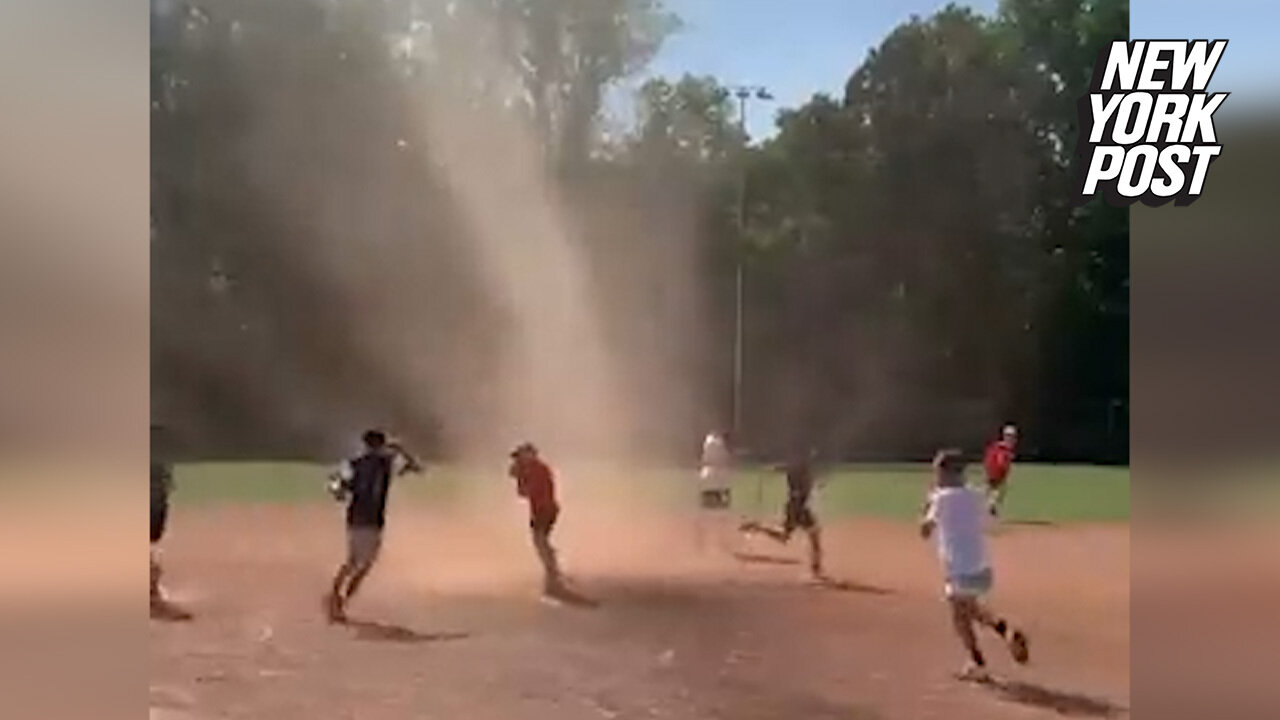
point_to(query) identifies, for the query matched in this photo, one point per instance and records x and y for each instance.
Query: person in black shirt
(797, 514)
(363, 482)
(161, 489)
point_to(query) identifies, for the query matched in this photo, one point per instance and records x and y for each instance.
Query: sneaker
(555, 588)
(1018, 647)
(973, 672)
(165, 610)
(334, 609)
(555, 593)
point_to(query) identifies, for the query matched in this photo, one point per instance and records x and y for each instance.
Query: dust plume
(413, 257)
(553, 379)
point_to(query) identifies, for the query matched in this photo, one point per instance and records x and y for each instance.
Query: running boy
(798, 514)
(998, 462)
(363, 482)
(536, 483)
(955, 513)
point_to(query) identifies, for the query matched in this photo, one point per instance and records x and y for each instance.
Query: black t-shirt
(799, 481)
(161, 485)
(369, 483)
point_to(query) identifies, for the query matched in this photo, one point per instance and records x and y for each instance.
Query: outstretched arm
(411, 464)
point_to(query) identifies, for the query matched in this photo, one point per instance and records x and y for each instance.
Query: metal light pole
(743, 93)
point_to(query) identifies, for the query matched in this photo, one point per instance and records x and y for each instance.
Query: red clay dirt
(450, 625)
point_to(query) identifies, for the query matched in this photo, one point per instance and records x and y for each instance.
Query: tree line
(915, 271)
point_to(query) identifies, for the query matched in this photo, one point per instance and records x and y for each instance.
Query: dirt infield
(450, 625)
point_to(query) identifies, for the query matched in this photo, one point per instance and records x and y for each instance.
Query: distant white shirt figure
(716, 463)
(715, 478)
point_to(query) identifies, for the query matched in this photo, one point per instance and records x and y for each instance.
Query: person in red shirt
(536, 483)
(998, 462)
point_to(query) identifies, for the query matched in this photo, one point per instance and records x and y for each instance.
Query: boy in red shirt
(998, 461)
(536, 483)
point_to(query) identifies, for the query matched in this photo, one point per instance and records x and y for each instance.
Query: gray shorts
(973, 585)
(363, 546)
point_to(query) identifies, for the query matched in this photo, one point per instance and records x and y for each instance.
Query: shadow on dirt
(1066, 704)
(656, 597)
(739, 700)
(761, 559)
(389, 632)
(572, 598)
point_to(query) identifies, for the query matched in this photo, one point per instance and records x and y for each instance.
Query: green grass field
(1046, 493)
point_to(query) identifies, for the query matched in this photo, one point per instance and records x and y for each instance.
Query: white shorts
(972, 585)
(713, 488)
(715, 499)
(713, 476)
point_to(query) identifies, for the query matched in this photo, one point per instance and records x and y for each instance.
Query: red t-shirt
(535, 482)
(998, 460)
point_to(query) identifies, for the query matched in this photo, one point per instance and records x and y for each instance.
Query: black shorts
(544, 520)
(799, 515)
(159, 518)
(715, 499)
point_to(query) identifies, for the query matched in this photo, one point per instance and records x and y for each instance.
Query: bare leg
(962, 618)
(547, 555)
(156, 572)
(983, 616)
(781, 535)
(357, 576)
(1014, 638)
(340, 578)
(363, 548)
(334, 601)
(996, 499)
(777, 534)
(815, 551)
(160, 605)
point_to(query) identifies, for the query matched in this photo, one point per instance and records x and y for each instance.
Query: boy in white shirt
(957, 514)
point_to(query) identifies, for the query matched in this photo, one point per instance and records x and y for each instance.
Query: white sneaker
(973, 672)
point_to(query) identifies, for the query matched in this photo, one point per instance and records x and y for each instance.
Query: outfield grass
(1048, 493)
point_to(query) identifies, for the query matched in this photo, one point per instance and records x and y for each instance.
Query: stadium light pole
(743, 93)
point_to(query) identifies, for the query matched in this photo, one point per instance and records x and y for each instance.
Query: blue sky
(800, 47)
(1250, 67)
(793, 47)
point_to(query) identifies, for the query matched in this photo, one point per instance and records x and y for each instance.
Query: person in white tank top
(716, 460)
(956, 515)
(714, 496)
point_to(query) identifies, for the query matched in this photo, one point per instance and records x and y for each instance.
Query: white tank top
(715, 464)
(959, 514)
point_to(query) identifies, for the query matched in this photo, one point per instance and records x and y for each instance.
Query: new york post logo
(1146, 126)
